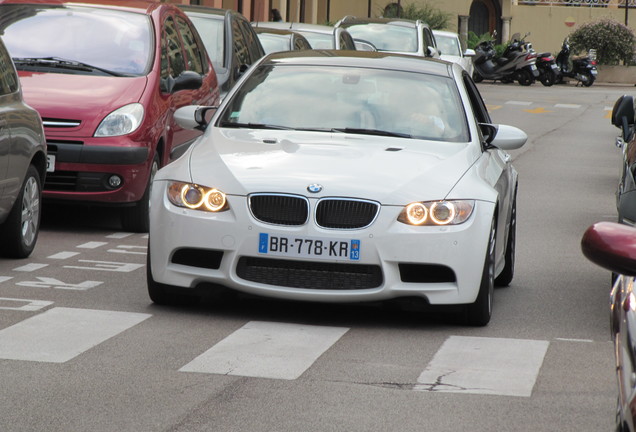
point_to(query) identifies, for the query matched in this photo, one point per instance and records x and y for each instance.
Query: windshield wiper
(372, 132)
(254, 126)
(56, 62)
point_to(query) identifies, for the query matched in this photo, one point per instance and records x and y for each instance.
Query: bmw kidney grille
(332, 213)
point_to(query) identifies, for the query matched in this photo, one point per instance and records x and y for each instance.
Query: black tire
(167, 295)
(158, 292)
(589, 79)
(548, 78)
(478, 313)
(524, 77)
(620, 423)
(508, 272)
(477, 77)
(137, 217)
(19, 232)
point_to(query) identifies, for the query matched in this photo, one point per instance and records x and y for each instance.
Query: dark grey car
(229, 39)
(23, 164)
(624, 118)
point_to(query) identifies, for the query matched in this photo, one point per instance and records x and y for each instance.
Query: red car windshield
(108, 40)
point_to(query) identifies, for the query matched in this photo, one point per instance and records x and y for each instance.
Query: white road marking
(518, 103)
(46, 282)
(5, 278)
(130, 249)
(574, 340)
(25, 304)
(92, 245)
(477, 365)
(119, 235)
(60, 334)
(108, 266)
(574, 106)
(267, 350)
(63, 255)
(30, 267)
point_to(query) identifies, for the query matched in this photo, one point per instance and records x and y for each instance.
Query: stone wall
(616, 74)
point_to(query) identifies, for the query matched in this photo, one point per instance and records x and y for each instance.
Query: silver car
(23, 165)
(318, 36)
(450, 48)
(393, 35)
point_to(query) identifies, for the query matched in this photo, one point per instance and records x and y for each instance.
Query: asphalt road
(83, 349)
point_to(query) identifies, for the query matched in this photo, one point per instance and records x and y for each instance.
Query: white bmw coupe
(341, 176)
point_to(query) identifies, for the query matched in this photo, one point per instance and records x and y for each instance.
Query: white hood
(388, 170)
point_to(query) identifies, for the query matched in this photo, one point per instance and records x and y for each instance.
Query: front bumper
(440, 264)
(82, 171)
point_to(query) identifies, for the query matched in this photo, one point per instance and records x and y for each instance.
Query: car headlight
(437, 212)
(122, 121)
(197, 197)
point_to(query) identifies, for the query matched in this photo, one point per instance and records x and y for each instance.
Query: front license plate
(309, 247)
(533, 67)
(555, 67)
(594, 71)
(50, 163)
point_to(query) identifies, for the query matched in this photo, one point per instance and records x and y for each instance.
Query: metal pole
(626, 9)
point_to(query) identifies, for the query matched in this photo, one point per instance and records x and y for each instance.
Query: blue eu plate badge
(309, 247)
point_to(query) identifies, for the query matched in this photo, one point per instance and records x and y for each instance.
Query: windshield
(448, 45)
(109, 40)
(212, 33)
(345, 99)
(386, 37)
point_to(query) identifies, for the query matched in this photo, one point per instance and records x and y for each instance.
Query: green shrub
(435, 18)
(614, 42)
(474, 40)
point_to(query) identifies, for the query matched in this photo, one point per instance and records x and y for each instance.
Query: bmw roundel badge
(314, 188)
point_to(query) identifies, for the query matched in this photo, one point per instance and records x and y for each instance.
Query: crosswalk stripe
(495, 366)
(60, 334)
(267, 350)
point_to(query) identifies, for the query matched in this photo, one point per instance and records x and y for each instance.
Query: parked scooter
(549, 72)
(516, 63)
(583, 69)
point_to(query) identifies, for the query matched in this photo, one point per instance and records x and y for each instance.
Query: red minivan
(106, 77)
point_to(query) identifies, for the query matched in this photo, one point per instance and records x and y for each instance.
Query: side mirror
(503, 136)
(431, 51)
(240, 70)
(612, 246)
(624, 116)
(362, 45)
(469, 53)
(188, 80)
(194, 117)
